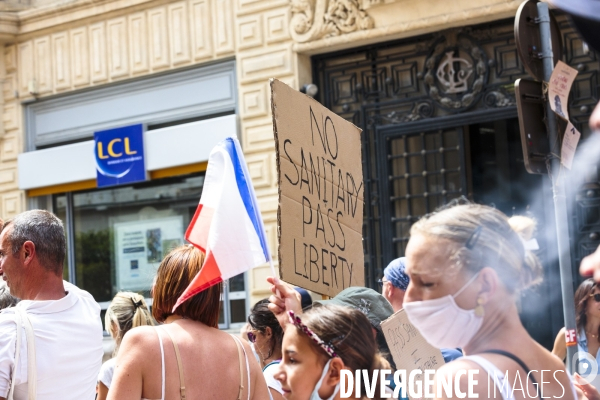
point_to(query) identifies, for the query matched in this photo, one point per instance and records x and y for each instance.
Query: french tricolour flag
(227, 225)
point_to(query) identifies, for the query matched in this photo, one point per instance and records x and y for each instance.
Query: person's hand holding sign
(283, 299)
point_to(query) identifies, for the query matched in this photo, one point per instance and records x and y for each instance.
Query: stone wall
(55, 47)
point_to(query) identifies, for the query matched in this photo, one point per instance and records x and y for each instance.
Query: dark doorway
(497, 173)
(498, 178)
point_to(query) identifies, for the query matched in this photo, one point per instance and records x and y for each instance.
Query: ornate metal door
(434, 110)
(424, 170)
(413, 86)
(431, 87)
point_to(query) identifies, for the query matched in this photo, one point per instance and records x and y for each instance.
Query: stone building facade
(55, 48)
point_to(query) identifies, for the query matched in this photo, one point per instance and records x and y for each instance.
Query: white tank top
(503, 385)
(162, 364)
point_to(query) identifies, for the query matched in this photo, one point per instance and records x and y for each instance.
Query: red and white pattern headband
(294, 319)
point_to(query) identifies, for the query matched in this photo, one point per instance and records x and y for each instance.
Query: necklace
(268, 356)
(591, 334)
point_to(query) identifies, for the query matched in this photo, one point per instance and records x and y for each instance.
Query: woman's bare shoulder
(140, 338)
(223, 337)
(143, 331)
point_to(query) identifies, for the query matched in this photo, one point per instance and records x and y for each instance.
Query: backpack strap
(17, 356)
(23, 321)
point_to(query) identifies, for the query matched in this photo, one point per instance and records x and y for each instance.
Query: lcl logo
(119, 154)
(114, 150)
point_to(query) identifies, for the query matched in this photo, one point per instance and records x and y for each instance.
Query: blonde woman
(126, 311)
(467, 264)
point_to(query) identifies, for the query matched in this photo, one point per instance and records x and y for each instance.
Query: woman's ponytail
(127, 310)
(141, 315)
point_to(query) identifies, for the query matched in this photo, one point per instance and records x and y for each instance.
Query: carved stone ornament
(454, 81)
(456, 72)
(498, 98)
(316, 19)
(422, 109)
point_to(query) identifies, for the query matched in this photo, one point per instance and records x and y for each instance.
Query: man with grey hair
(67, 330)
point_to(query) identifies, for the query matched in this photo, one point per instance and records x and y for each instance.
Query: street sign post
(531, 109)
(534, 135)
(528, 43)
(527, 39)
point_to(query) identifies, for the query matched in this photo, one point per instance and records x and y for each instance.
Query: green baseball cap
(370, 302)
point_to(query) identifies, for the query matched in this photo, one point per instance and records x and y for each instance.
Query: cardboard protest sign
(320, 213)
(409, 349)
(559, 87)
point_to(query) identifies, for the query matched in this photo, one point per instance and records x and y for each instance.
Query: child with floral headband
(321, 342)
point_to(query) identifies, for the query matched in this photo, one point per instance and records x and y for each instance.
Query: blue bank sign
(120, 156)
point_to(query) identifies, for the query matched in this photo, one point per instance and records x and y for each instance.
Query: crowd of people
(464, 268)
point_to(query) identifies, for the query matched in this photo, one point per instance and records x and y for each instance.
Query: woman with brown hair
(188, 356)
(266, 335)
(587, 319)
(467, 264)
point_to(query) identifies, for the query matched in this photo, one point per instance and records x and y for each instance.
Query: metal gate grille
(425, 172)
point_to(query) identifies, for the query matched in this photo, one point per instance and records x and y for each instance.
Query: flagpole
(273, 270)
(274, 276)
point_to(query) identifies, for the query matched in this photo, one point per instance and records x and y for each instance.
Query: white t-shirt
(268, 372)
(106, 372)
(68, 346)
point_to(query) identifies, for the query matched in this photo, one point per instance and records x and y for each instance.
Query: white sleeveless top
(494, 372)
(162, 363)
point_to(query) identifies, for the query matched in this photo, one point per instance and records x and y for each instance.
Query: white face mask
(442, 322)
(315, 393)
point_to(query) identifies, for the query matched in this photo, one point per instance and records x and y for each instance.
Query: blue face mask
(315, 393)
